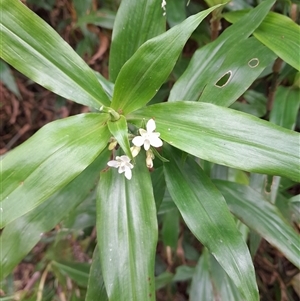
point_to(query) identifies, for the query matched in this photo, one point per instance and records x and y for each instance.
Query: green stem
(114, 115)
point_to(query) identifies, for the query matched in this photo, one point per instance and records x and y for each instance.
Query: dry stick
(32, 281)
(42, 283)
(215, 26)
(274, 84)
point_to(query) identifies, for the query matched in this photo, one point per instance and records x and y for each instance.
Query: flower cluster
(147, 139)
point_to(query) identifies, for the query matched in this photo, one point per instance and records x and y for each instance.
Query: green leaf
(8, 80)
(163, 279)
(77, 271)
(31, 46)
(170, 229)
(119, 131)
(159, 185)
(106, 84)
(176, 12)
(263, 217)
(201, 286)
(136, 22)
(239, 69)
(127, 233)
(96, 289)
(48, 161)
(222, 284)
(256, 104)
(277, 32)
(226, 137)
(103, 18)
(22, 234)
(205, 212)
(286, 107)
(232, 55)
(183, 273)
(145, 72)
(294, 204)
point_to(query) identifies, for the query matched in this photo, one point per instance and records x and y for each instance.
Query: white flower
(124, 165)
(148, 137)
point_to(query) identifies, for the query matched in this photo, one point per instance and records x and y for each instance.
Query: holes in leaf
(223, 80)
(253, 62)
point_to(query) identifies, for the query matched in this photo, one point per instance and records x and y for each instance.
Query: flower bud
(135, 150)
(149, 157)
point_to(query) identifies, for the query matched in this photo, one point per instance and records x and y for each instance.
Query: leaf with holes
(277, 32)
(223, 70)
(145, 72)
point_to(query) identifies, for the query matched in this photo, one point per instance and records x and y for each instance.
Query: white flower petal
(138, 141)
(129, 165)
(147, 144)
(151, 126)
(143, 132)
(113, 163)
(125, 158)
(155, 141)
(128, 173)
(122, 168)
(156, 134)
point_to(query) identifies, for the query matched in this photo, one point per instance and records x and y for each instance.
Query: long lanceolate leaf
(145, 72)
(226, 137)
(263, 217)
(21, 235)
(239, 60)
(96, 289)
(136, 22)
(119, 131)
(127, 233)
(48, 161)
(205, 212)
(277, 32)
(35, 49)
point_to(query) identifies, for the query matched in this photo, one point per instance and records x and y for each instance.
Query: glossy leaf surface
(201, 286)
(35, 49)
(263, 217)
(48, 161)
(205, 212)
(119, 131)
(145, 72)
(21, 235)
(136, 22)
(286, 107)
(277, 32)
(127, 233)
(231, 54)
(96, 289)
(232, 138)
